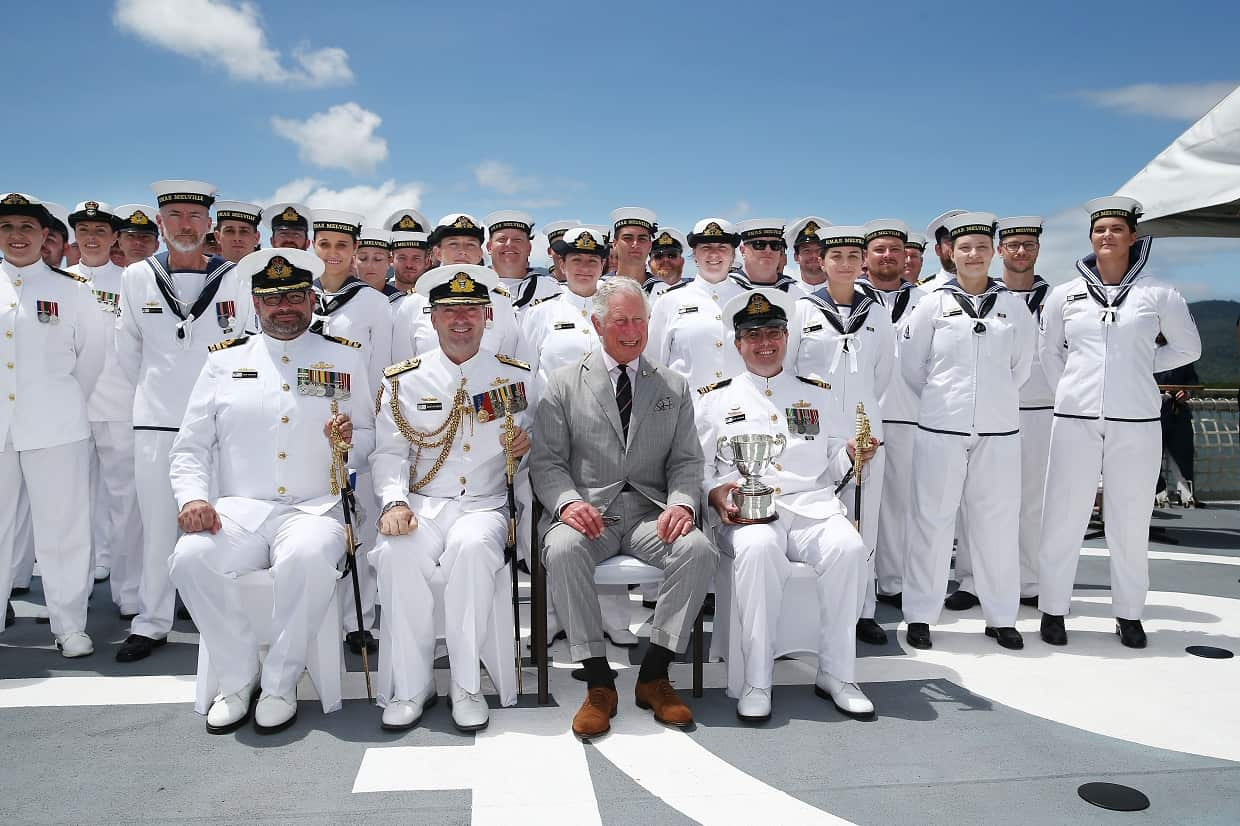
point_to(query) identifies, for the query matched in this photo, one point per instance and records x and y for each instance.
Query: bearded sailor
(667, 262)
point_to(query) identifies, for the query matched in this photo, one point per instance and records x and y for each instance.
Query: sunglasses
(655, 256)
(296, 297)
(760, 246)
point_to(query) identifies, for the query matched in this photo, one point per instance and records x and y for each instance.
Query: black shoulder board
(702, 391)
(926, 280)
(346, 342)
(538, 301)
(681, 285)
(500, 289)
(226, 343)
(79, 278)
(509, 360)
(401, 367)
(815, 382)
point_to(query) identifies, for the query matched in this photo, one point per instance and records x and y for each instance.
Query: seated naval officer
(809, 523)
(258, 430)
(439, 469)
(609, 492)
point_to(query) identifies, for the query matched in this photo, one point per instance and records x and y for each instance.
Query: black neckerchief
(782, 283)
(985, 300)
(325, 306)
(860, 309)
(899, 302)
(1138, 254)
(215, 270)
(1036, 297)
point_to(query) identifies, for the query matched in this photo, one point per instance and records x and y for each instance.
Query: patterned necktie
(624, 399)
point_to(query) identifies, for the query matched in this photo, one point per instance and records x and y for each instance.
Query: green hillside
(1219, 365)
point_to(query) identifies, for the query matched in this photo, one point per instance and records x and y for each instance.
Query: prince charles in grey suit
(617, 463)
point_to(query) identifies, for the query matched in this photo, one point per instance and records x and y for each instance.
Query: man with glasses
(252, 470)
(764, 251)
(667, 262)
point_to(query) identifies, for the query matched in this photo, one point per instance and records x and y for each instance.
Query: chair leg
(698, 654)
(538, 614)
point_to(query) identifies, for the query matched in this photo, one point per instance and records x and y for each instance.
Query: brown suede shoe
(659, 696)
(593, 719)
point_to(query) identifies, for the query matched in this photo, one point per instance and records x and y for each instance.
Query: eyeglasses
(1018, 246)
(655, 256)
(294, 297)
(764, 334)
(760, 246)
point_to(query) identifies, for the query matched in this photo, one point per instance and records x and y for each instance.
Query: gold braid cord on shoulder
(428, 439)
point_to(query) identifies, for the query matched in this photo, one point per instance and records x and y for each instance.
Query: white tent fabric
(1192, 188)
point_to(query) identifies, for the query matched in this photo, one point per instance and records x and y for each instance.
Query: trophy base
(754, 520)
(755, 506)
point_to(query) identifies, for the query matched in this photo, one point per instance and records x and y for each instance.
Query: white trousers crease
(893, 511)
(23, 550)
(302, 551)
(117, 524)
(158, 508)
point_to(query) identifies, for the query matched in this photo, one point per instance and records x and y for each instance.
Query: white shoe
(848, 697)
(75, 644)
(274, 713)
(230, 711)
(1161, 500)
(469, 711)
(754, 706)
(622, 637)
(102, 572)
(405, 714)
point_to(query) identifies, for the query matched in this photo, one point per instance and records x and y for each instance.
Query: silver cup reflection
(751, 454)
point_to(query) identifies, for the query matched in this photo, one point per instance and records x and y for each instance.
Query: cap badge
(461, 284)
(585, 241)
(278, 268)
(713, 229)
(16, 199)
(811, 228)
(91, 207)
(464, 223)
(139, 218)
(289, 214)
(665, 240)
(408, 224)
(757, 306)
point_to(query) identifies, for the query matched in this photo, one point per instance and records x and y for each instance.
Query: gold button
(8, 333)
(718, 316)
(779, 467)
(718, 343)
(282, 455)
(17, 282)
(718, 374)
(284, 420)
(465, 447)
(462, 480)
(768, 392)
(284, 359)
(12, 397)
(774, 418)
(280, 490)
(778, 491)
(284, 387)
(9, 365)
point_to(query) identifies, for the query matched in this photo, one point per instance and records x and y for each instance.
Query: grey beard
(182, 248)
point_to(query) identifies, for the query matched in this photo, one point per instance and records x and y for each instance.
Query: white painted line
(43, 692)
(1172, 556)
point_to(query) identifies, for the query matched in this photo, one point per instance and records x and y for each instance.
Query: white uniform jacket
(1101, 360)
(253, 430)
(802, 410)
(854, 350)
(899, 403)
(161, 344)
(968, 370)
(52, 349)
(422, 390)
(538, 285)
(413, 335)
(557, 332)
(358, 312)
(1036, 393)
(688, 335)
(112, 399)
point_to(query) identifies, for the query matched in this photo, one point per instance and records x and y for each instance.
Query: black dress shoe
(918, 635)
(1032, 602)
(1052, 630)
(649, 603)
(890, 599)
(961, 601)
(137, 647)
(10, 616)
(356, 639)
(869, 631)
(1007, 636)
(708, 605)
(1130, 633)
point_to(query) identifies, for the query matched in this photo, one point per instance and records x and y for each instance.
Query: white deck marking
(1172, 556)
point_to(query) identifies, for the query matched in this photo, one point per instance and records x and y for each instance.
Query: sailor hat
(177, 191)
(587, 240)
(456, 223)
(885, 228)
(238, 211)
(336, 220)
(805, 230)
(1020, 225)
(668, 238)
(842, 237)
(759, 307)
(509, 219)
(634, 217)
(935, 229)
(272, 271)
(410, 241)
(970, 223)
(59, 219)
(1114, 206)
(556, 229)
(374, 237)
(93, 211)
(138, 218)
(916, 239)
(288, 215)
(756, 228)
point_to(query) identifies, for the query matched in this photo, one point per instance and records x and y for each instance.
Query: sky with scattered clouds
(900, 110)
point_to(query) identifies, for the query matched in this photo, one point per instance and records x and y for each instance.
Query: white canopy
(1192, 188)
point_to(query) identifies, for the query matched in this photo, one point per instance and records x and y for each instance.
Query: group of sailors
(172, 418)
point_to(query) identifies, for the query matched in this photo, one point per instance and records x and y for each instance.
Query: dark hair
(1130, 220)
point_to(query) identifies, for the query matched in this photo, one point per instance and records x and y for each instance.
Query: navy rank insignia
(401, 367)
(511, 362)
(332, 384)
(816, 382)
(493, 404)
(226, 343)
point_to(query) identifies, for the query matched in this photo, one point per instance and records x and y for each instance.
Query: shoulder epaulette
(679, 286)
(502, 290)
(815, 382)
(226, 343)
(509, 360)
(79, 278)
(538, 301)
(346, 342)
(925, 280)
(401, 367)
(702, 391)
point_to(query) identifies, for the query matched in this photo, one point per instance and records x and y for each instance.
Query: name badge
(245, 374)
(813, 328)
(152, 309)
(950, 313)
(430, 404)
(734, 418)
(684, 310)
(564, 325)
(1075, 297)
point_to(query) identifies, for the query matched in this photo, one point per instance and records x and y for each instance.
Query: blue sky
(736, 109)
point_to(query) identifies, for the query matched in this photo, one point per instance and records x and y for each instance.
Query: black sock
(655, 663)
(598, 673)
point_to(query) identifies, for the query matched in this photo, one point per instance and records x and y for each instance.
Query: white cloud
(501, 177)
(374, 202)
(522, 191)
(231, 36)
(343, 137)
(1176, 101)
(739, 210)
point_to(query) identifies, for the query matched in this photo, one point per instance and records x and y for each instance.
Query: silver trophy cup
(751, 454)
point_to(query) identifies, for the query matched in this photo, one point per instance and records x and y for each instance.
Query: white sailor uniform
(966, 356)
(853, 349)
(461, 511)
(252, 444)
(52, 348)
(655, 286)
(687, 332)
(537, 285)
(1099, 352)
(167, 322)
(810, 527)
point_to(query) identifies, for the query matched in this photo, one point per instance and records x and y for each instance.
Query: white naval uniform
(413, 335)
(966, 452)
(462, 515)
(116, 524)
(52, 350)
(810, 527)
(655, 286)
(161, 345)
(253, 434)
(899, 405)
(537, 285)
(687, 332)
(1037, 400)
(852, 348)
(360, 313)
(1102, 364)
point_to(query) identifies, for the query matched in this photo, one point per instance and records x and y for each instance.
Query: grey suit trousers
(688, 565)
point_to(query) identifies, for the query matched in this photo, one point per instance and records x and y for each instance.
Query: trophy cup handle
(780, 444)
(730, 458)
